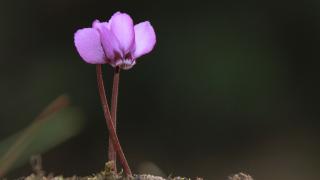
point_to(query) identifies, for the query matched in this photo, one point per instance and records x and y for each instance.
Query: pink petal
(145, 39)
(121, 25)
(97, 24)
(88, 44)
(110, 43)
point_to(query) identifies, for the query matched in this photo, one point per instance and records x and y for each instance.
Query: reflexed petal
(97, 24)
(145, 39)
(121, 25)
(110, 43)
(88, 44)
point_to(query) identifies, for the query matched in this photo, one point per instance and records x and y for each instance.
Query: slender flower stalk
(114, 103)
(109, 121)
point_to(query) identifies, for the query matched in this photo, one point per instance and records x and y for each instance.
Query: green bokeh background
(230, 86)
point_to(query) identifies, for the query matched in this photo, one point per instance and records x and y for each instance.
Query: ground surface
(109, 174)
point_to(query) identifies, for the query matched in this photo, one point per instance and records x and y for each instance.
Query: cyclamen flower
(117, 42)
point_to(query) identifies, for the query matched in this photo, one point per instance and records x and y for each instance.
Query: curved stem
(110, 125)
(114, 102)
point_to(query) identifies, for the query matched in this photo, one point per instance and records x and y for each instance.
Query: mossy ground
(106, 174)
(109, 174)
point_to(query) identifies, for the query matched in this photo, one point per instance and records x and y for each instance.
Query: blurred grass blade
(52, 127)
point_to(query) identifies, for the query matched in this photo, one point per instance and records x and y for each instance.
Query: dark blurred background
(230, 86)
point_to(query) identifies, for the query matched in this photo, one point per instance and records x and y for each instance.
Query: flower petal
(145, 39)
(97, 24)
(121, 25)
(88, 44)
(110, 43)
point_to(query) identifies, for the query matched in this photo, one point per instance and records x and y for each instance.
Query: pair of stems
(115, 147)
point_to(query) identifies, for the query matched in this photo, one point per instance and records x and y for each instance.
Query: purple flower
(117, 42)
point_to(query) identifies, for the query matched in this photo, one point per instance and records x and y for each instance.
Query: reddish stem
(110, 125)
(114, 102)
